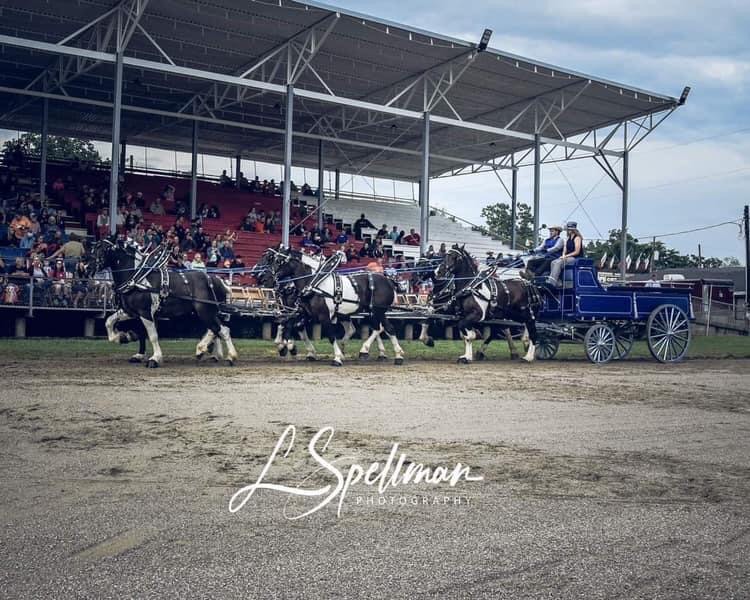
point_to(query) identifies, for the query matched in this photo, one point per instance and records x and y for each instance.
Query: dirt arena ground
(628, 480)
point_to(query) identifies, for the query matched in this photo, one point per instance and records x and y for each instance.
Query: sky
(693, 171)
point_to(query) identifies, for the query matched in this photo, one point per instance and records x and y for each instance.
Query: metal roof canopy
(272, 81)
(360, 83)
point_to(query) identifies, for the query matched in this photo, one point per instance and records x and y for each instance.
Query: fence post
(88, 327)
(20, 327)
(31, 297)
(708, 312)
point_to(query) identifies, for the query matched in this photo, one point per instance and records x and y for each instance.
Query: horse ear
(463, 246)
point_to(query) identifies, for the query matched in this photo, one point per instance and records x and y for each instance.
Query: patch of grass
(77, 349)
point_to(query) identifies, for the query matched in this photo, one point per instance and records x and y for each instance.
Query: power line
(580, 202)
(697, 140)
(704, 228)
(737, 222)
(679, 181)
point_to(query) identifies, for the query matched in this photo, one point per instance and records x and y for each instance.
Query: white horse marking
(204, 342)
(153, 337)
(110, 323)
(227, 337)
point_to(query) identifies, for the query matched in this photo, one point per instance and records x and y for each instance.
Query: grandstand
(301, 83)
(234, 204)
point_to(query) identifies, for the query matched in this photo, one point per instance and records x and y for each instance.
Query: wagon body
(583, 298)
(608, 319)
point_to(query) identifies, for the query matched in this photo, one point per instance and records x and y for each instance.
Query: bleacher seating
(234, 205)
(406, 215)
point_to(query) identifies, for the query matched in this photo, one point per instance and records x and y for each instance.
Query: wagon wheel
(599, 343)
(623, 342)
(547, 347)
(668, 333)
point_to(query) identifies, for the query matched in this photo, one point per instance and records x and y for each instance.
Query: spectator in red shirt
(413, 239)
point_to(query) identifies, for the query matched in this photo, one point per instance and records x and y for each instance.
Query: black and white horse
(443, 301)
(182, 295)
(478, 297)
(332, 299)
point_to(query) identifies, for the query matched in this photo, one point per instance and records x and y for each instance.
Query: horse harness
(328, 269)
(154, 261)
(491, 296)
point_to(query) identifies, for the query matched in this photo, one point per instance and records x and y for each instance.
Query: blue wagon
(608, 319)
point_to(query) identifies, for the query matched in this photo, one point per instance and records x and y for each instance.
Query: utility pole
(653, 253)
(700, 257)
(747, 260)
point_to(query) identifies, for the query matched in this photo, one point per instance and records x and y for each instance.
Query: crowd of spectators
(47, 260)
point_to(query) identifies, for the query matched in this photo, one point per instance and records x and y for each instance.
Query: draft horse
(479, 297)
(331, 299)
(443, 300)
(151, 293)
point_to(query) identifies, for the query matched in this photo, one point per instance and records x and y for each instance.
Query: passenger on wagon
(549, 250)
(573, 250)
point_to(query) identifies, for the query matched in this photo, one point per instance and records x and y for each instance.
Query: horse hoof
(364, 356)
(463, 361)
(429, 342)
(152, 364)
(398, 361)
(514, 357)
(310, 358)
(283, 351)
(135, 360)
(481, 356)
(382, 358)
(335, 363)
(293, 351)
(230, 363)
(122, 338)
(200, 356)
(215, 359)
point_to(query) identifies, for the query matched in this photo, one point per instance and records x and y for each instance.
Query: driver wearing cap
(545, 253)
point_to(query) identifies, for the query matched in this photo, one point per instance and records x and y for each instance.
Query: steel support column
(194, 173)
(286, 204)
(424, 188)
(114, 176)
(237, 171)
(337, 184)
(513, 209)
(624, 229)
(43, 159)
(537, 185)
(320, 185)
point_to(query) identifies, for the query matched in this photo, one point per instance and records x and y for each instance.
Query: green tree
(668, 258)
(611, 247)
(58, 147)
(499, 222)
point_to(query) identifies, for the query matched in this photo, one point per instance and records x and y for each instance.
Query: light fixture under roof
(484, 42)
